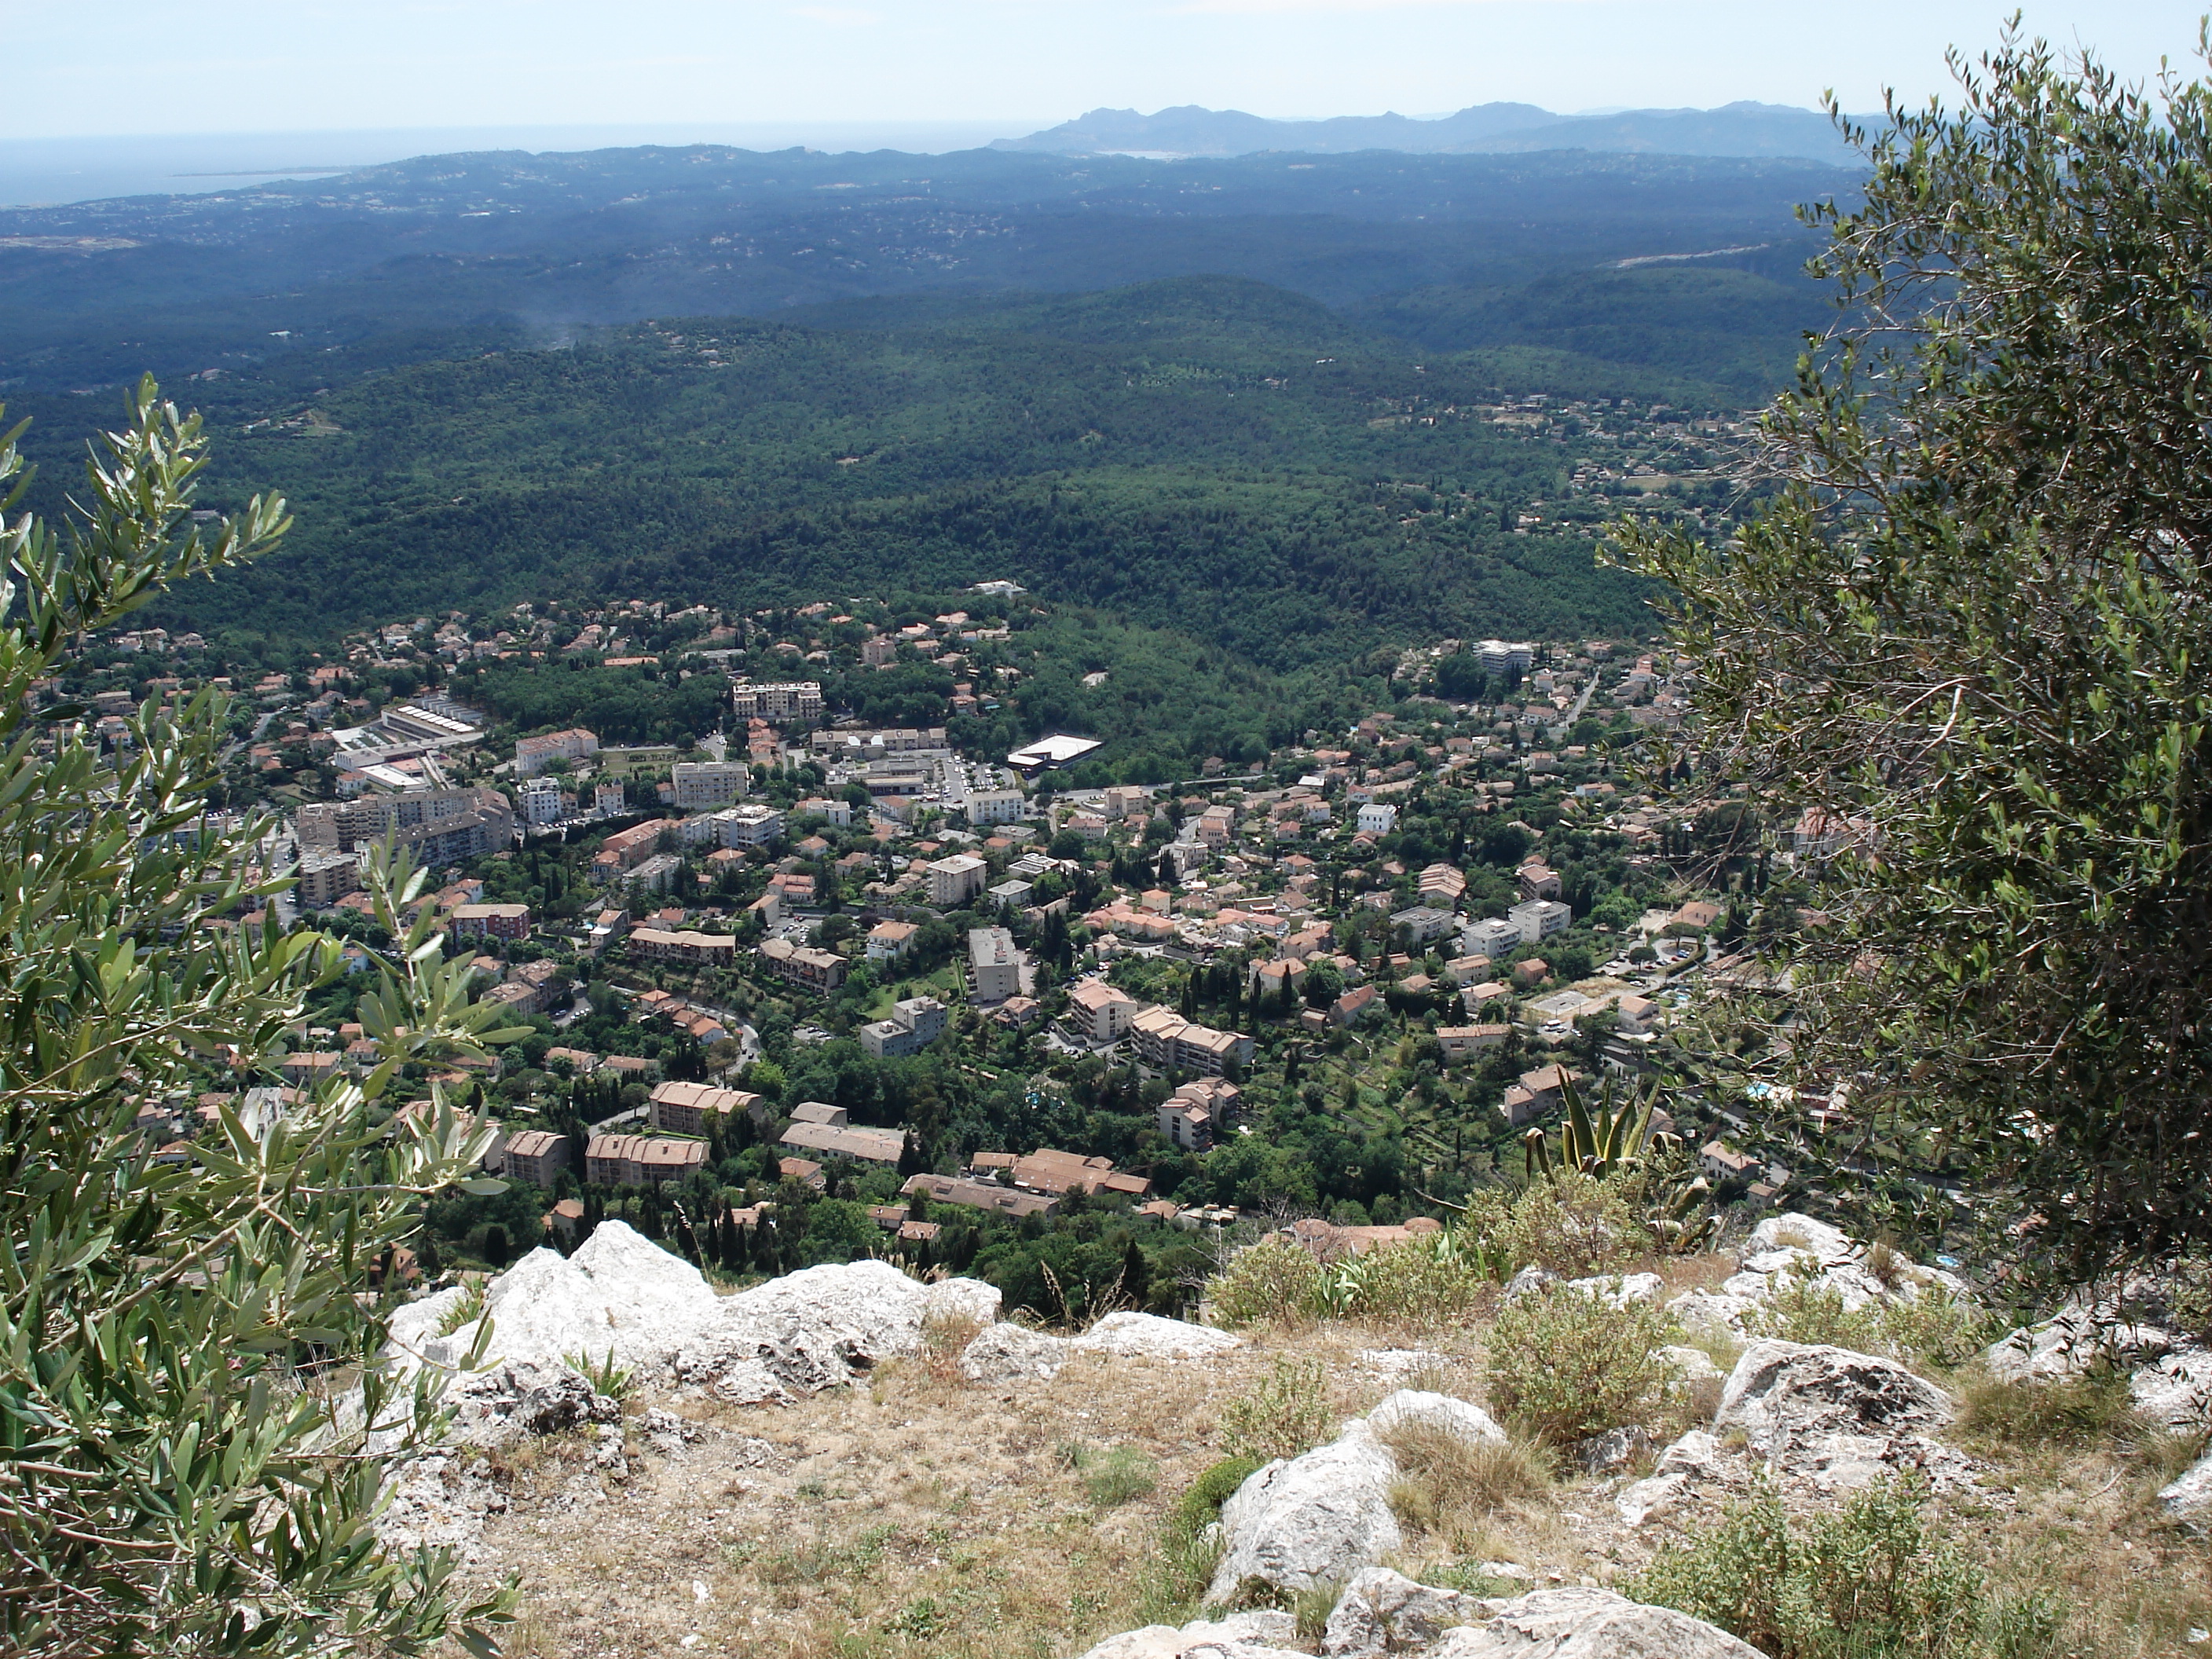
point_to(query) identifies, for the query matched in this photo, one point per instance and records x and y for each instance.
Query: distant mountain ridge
(1738, 128)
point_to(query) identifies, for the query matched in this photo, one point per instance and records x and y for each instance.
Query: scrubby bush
(1934, 1328)
(1272, 1282)
(1874, 1581)
(1564, 1366)
(1449, 1485)
(1801, 1309)
(1285, 1414)
(1424, 1283)
(1572, 1224)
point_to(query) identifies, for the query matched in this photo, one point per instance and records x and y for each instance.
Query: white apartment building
(995, 806)
(702, 785)
(610, 800)
(541, 801)
(1499, 656)
(1495, 939)
(997, 964)
(955, 880)
(1540, 919)
(1377, 818)
(793, 700)
(748, 826)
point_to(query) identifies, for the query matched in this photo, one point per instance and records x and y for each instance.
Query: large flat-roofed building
(437, 826)
(1049, 754)
(698, 785)
(996, 963)
(691, 1108)
(791, 699)
(542, 802)
(427, 725)
(914, 1025)
(641, 1160)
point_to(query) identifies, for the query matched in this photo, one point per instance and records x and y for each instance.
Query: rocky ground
(843, 1462)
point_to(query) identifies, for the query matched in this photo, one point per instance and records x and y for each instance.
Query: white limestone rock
(1691, 1365)
(970, 1299)
(2175, 1390)
(2188, 1496)
(1435, 1411)
(1150, 1336)
(1312, 1520)
(1709, 1314)
(1684, 1469)
(1382, 1612)
(1589, 1624)
(1617, 1291)
(1793, 1231)
(806, 1332)
(1013, 1354)
(1837, 1419)
(1259, 1635)
(1530, 1280)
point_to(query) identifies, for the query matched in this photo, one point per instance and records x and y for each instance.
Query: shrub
(1801, 1310)
(1188, 1554)
(1935, 1328)
(1872, 1582)
(1573, 1224)
(1201, 1506)
(1449, 1485)
(1271, 1282)
(1563, 1365)
(467, 1309)
(1285, 1414)
(1424, 1283)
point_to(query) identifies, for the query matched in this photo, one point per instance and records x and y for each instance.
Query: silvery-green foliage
(187, 1348)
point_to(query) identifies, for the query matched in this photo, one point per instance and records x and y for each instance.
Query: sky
(304, 66)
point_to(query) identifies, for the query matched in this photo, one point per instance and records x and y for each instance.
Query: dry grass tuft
(1452, 1489)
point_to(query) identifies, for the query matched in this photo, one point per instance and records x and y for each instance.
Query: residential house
(1355, 1005)
(1538, 881)
(1377, 818)
(888, 941)
(1459, 1042)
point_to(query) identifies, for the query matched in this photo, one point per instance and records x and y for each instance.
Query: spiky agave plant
(1608, 1143)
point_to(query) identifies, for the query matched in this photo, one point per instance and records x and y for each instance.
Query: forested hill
(410, 261)
(1213, 456)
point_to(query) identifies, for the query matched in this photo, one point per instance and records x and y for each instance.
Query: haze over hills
(1738, 128)
(396, 263)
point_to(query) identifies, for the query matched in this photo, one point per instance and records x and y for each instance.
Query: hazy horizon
(1008, 65)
